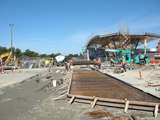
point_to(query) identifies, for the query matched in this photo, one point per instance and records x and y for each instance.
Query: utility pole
(11, 33)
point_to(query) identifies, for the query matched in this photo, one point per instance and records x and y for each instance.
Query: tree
(3, 50)
(53, 55)
(70, 56)
(43, 55)
(30, 53)
(18, 52)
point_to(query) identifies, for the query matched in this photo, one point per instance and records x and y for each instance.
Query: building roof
(119, 40)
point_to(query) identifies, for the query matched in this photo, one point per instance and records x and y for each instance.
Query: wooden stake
(126, 106)
(156, 110)
(72, 100)
(94, 102)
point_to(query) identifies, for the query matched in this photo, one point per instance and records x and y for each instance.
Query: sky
(65, 26)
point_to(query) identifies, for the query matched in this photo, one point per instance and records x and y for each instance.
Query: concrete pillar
(145, 46)
(88, 55)
(158, 47)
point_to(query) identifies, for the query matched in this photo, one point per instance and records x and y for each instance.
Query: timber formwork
(95, 88)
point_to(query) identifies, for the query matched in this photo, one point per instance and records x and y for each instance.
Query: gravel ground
(37, 99)
(17, 99)
(10, 78)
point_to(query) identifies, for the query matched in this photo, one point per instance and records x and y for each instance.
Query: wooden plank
(82, 97)
(143, 103)
(111, 100)
(70, 83)
(147, 106)
(117, 100)
(85, 101)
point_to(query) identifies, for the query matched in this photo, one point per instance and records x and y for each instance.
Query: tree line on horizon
(30, 53)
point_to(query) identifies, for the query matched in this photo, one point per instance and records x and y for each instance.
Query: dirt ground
(10, 78)
(36, 99)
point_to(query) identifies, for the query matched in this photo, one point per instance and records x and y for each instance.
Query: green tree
(18, 52)
(53, 55)
(70, 56)
(30, 53)
(3, 50)
(43, 55)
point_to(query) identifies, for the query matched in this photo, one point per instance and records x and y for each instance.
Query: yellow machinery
(48, 61)
(7, 58)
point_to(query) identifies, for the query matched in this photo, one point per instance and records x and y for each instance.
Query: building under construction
(105, 46)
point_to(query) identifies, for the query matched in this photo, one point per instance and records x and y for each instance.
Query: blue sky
(50, 26)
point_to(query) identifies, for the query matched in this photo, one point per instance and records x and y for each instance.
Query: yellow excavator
(8, 60)
(6, 57)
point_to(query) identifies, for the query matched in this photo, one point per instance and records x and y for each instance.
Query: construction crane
(8, 58)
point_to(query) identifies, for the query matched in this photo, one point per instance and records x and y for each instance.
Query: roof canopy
(119, 40)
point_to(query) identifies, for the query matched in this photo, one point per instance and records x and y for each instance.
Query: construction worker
(66, 66)
(99, 63)
(124, 63)
(49, 67)
(112, 61)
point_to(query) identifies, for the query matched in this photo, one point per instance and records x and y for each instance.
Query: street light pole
(11, 33)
